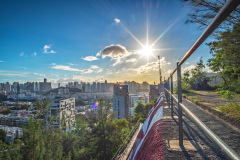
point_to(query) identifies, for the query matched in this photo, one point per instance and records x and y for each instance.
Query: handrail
(127, 139)
(226, 10)
(229, 152)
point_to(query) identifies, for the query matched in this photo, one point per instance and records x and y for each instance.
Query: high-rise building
(36, 86)
(98, 86)
(63, 107)
(87, 87)
(7, 87)
(106, 87)
(153, 92)
(30, 86)
(94, 87)
(75, 84)
(121, 102)
(110, 87)
(145, 86)
(102, 87)
(70, 84)
(133, 87)
(18, 89)
(45, 86)
(14, 86)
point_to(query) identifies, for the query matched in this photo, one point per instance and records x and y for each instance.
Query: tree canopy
(203, 11)
(226, 58)
(97, 137)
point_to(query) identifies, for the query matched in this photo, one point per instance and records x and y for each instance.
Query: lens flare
(95, 105)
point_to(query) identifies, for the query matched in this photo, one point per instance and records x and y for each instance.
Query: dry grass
(232, 110)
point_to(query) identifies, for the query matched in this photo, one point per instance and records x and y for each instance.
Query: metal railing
(127, 140)
(218, 19)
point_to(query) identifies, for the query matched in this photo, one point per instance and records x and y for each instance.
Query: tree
(140, 109)
(33, 147)
(80, 103)
(199, 74)
(106, 134)
(11, 150)
(203, 11)
(2, 98)
(2, 134)
(6, 111)
(226, 57)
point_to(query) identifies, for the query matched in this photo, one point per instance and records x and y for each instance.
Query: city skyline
(94, 41)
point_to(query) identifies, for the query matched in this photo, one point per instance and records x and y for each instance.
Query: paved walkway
(204, 148)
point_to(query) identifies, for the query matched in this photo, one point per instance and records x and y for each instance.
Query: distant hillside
(72, 90)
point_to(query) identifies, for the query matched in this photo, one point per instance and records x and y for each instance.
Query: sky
(97, 40)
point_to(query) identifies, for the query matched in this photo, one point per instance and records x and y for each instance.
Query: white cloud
(12, 74)
(78, 78)
(8, 73)
(87, 71)
(52, 51)
(187, 63)
(71, 64)
(39, 74)
(118, 61)
(146, 68)
(99, 71)
(1, 61)
(94, 67)
(35, 53)
(45, 49)
(132, 60)
(52, 75)
(53, 64)
(21, 54)
(170, 71)
(189, 68)
(115, 52)
(117, 20)
(90, 58)
(66, 68)
(23, 67)
(151, 66)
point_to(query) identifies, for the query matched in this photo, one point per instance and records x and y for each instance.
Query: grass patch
(232, 110)
(190, 93)
(194, 97)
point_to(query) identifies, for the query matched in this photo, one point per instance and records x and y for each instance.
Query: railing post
(171, 95)
(179, 106)
(167, 92)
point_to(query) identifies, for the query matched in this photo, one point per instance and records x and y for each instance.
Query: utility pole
(160, 75)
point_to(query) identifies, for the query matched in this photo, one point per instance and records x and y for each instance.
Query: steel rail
(229, 152)
(225, 11)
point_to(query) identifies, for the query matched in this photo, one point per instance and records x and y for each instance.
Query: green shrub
(232, 110)
(185, 88)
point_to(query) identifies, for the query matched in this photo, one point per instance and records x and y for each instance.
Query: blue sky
(94, 40)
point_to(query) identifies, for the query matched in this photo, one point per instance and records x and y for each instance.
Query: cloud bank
(92, 69)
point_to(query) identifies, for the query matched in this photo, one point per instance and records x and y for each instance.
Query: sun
(146, 51)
